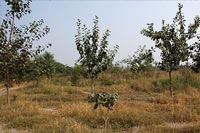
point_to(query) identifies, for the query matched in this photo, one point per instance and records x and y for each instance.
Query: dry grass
(59, 107)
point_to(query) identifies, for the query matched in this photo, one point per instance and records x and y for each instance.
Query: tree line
(20, 60)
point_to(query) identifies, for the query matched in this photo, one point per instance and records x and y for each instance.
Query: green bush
(61, 82)
(179, 83)
(107, 82)
(76, 74)
(196, 84)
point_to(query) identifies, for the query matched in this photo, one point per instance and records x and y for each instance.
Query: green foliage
(61, 68)
(45, 65)
(16, 43)
(172, 40)
(95, 56)
(76, 73)
(44, 89)
(61, 81)
(22, 73)
(141, 60)
(105, 99)
(196, 84)
(196, 55)
(180, 83)
(107, 81)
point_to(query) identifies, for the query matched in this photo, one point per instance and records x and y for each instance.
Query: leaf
(96, 106)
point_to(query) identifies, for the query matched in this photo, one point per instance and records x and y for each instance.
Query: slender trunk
(92, 86)
(37, 82)
(170, 84)
(7, 85)
(8, 97)
(7, 74)
(48, 79)
(106, 118)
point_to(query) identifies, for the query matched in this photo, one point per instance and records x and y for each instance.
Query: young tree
(61, 68)
(172, 40)
(196, 56)
(48, 65)
(75, 74)
(22, 72)
(45, 65)
(141, 60)
(95, 56)
(16, 42)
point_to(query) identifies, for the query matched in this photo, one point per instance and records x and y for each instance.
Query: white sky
(125, 19)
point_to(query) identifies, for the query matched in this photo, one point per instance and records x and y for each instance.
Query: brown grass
(59, 107)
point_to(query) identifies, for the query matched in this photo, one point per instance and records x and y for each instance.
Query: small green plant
(107, 82)
(105, 99)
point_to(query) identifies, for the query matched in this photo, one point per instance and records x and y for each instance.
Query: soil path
(3, 90)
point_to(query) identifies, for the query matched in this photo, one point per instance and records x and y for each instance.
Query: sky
(124, 18)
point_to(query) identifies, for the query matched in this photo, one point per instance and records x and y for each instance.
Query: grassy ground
(144, 105)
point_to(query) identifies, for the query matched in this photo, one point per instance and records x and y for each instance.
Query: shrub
(107, 82)
(76, 73)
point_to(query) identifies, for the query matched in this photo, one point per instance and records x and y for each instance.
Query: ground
(144, 105)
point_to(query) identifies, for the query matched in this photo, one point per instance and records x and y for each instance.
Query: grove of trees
(20, 59)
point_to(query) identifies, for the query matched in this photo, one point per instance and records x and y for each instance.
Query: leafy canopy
(172, 40)
(196, 55)
(105, 99)
(141, 60)
(95, 56)
(16, 42)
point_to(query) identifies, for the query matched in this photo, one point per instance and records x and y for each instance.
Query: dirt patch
(180, 125)
(3, 90)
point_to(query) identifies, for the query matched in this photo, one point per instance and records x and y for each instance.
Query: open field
(144, 105)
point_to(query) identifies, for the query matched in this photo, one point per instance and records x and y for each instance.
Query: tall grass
(59, 106)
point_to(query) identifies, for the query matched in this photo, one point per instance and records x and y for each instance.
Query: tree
(172, 40)
(141, 60)
(196, 56)
(23, 72)
(95, 56)
(16, 42)
(45, 65)
(61, 68)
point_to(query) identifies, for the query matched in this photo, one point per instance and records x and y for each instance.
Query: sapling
(16, 42)
(172, 40)
(106, 100)
(95, 56)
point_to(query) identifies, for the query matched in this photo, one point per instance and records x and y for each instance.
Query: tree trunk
(170, 84)
(92, 86)
(37, 82)
(7, 74)
(7, 85)
(8, 97)
(106, 120)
